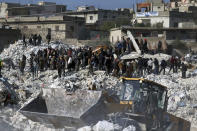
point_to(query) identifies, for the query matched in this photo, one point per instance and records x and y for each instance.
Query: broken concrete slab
(60, 108)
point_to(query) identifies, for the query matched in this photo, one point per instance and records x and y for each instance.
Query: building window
(113, 17)
(91, 17)
(57, 28)
(158, 7)
(39, 27)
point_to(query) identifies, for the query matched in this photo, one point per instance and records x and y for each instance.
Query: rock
(105, 126)
(86, 128)
(130, 128)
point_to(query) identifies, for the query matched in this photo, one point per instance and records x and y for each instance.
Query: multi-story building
(42, 8)
(181, 17)
(95, 16)
(60, 27)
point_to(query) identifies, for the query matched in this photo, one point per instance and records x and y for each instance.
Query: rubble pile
(182, 95)
(182, 92)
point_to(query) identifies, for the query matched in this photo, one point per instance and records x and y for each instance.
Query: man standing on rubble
(1, 65)
(124, 46)
(108, 63)
(59, 67)
(156, 64)
(48, 37)
(22, 64)
(163, 66)
(39, 39)
(24, 41)
(150, 65)
(172, 62)
(35, 39)
(184, 69)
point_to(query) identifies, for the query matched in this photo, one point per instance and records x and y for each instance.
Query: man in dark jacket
(124, 45)
(39, 39)
(24, 41)
(156, 64)
(48, 37)
(184, 69)
(163, 66)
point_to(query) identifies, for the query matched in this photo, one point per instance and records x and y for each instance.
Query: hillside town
(94, 69)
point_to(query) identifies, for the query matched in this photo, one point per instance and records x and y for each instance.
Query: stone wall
(8, 36)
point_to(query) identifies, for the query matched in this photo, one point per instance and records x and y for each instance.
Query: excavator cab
(142, 92)
(147, 101)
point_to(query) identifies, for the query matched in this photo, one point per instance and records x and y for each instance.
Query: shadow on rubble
(9, 90)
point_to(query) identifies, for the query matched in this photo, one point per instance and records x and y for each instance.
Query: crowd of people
(107, 60)
(35, 39)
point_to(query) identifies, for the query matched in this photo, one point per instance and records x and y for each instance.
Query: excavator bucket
(60, 108)
(177, 123)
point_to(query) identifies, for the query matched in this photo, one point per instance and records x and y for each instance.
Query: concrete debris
(130, 128)
(106, 126)
(181, 92)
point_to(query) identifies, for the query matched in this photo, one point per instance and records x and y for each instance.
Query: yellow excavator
(146, 102)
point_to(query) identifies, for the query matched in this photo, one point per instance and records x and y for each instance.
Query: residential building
(4, 6)
(151, 34)
(162, 16)
(95, 16)
(42, 8)
(60, 27)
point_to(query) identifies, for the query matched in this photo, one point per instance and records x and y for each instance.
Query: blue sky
(72, 4)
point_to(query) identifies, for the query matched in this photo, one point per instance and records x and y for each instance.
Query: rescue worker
(48, 37)
(70, 61)
(41, 63)
(119, 48)
(124, 45)
(30, 40)
(145, 46)
(156, 64)
(163, 66)
(128, 42)
(176, 60)
(90, 64)
(134, 66)
(172, 62)
(59, 66)
(24, 41)
(22, 64)
(120, 65)
(101, 59)
(116, 67)
(1, 65)
(108, 63)
(140, 66)
(150, 65)
(35, 37)
(31, 64)
(159, 46)
(183, 69)
(39, 39)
